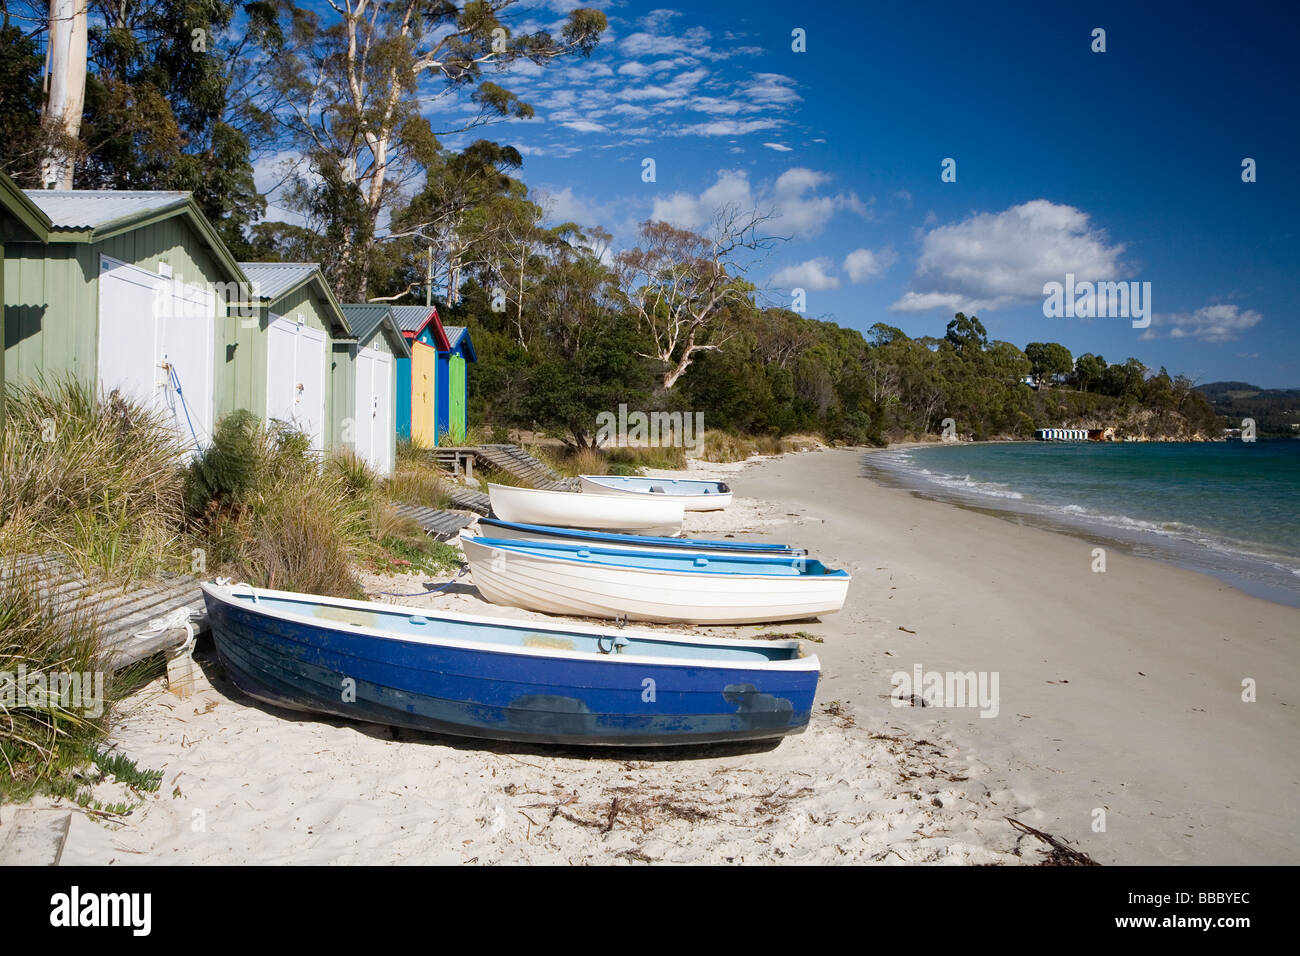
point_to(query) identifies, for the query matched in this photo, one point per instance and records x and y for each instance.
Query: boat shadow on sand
(214, 671)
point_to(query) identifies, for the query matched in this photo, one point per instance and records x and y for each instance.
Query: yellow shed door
(424, 365)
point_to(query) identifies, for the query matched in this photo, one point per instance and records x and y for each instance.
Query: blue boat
(499, 679)
(517, 531)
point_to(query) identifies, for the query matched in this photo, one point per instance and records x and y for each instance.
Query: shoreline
(1238, 568)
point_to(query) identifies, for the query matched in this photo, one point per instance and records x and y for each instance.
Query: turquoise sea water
(1229, 508)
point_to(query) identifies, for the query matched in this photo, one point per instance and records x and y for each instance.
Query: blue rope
(185, 406)
(445, 584)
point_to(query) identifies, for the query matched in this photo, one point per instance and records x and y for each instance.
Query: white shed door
(150, 327)
(128, 330)
(374, 412)
(185, 342)
(382, 391)
(363, 430)
(295, 378)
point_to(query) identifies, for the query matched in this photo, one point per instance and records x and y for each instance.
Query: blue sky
(1122, 165)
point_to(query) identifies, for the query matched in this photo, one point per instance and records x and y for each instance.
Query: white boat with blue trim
(568, 509)
(591, 580)
(693, 493)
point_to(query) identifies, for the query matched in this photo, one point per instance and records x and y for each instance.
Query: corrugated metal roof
(273, 279)
(365, 319)
(454, 334)
(91, 208)
(412, 318)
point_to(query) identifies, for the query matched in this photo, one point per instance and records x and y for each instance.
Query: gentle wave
(1182, 539)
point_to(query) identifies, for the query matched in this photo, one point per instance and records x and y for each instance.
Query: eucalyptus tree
(443, 225)
(356, 96)
(677, 282)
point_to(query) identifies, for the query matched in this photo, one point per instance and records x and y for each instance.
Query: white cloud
(1209, 323)
(770, 89)
(563, 205)
(779, 147)
(792, 200)
(584, 126)
(863, 264)
(727, 127)
(813, 275)
(692, 212)
(991, 260)
(692, 41)
(680, 86)
(802, 213)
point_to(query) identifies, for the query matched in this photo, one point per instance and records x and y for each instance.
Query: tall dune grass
(41, 739)
(96, 478)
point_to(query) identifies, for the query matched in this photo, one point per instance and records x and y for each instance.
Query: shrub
(272, 515)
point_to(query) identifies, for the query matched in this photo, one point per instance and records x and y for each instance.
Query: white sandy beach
(1120, 693)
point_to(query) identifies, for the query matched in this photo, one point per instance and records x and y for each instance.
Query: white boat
(568, 509)
(688, 588)
(495, 528)
(693, 493)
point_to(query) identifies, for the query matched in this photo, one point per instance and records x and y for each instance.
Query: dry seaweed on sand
(1059, 854)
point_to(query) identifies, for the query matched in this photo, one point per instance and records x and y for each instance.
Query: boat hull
(337, 669)
(557, 585)
(691, 500)
(525, 532)
(568, 509)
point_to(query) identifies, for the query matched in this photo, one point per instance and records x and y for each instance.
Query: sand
(1120, 724)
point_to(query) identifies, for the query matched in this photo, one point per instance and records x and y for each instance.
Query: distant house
(453, 384)
(125, 293)
(21, 221)
(365, 386)
(289, 355)
(417, 376)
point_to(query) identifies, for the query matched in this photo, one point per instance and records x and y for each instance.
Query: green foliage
(125, 770)
(269, 513)
(414, 552)
(160, 112)
(1048, 360)
(1275, 410)
(20, 105)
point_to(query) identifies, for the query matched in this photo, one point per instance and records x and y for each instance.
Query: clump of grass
(358, 478)
(418, 481)
(96, 478)
(648, 457)
(270, 514)
(493, 476)
(417, 554)
(44, 737)
(724, 446)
